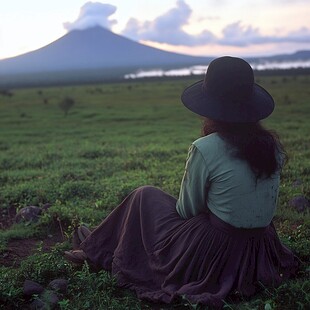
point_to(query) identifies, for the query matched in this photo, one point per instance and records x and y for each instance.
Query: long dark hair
(252, 142)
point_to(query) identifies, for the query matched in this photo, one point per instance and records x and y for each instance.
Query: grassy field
(114, 138)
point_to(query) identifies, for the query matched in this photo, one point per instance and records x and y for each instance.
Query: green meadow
(86, 159)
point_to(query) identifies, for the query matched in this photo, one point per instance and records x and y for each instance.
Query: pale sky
(197, 27)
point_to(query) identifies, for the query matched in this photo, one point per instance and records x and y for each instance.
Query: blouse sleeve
(192, 197)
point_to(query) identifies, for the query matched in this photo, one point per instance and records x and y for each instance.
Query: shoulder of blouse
(210, 145)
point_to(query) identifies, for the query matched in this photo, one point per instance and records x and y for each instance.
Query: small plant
(66, 104)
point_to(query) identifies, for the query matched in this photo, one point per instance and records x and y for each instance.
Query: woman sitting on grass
(217, 237)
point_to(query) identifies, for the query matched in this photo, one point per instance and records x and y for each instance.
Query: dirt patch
(19, 249)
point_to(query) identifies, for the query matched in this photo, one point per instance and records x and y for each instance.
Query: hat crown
(231, 77)
(228, 93)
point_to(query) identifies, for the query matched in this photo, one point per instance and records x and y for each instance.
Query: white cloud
(168, 28)
(301, 35)
(237, 34)
(240, 35)
(93, 14)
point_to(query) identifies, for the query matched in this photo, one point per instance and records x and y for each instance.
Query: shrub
(66, 104)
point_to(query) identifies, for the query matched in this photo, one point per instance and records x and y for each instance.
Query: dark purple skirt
(150, 249)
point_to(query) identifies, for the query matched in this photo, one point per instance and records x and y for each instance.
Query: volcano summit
(92, 54)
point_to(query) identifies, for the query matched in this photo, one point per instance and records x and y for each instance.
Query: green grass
(115, 138)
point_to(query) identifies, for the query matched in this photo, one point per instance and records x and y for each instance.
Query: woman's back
(233, 192)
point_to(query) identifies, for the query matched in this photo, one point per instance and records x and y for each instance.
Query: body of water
(200, 70)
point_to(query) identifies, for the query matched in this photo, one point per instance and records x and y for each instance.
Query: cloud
(167, 28)
(240, 35)
(301, 35)
(93, 14)
(237, 34)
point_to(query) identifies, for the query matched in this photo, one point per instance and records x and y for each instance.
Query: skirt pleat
(150, 249)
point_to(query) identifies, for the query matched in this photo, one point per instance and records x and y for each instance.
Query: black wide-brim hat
(228, 93)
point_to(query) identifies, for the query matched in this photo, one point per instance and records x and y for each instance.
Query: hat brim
(258, 105)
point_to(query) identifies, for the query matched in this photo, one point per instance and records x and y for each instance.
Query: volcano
(91, 54)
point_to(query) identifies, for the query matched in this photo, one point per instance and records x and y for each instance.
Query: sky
(195, 27)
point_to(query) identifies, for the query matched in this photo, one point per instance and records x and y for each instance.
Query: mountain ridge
(93, 48)
(96, 54)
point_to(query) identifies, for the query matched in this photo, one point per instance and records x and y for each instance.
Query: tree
(66, 104)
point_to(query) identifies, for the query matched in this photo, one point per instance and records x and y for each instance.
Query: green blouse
(216, 181)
